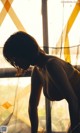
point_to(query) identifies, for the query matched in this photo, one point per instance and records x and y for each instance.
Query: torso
(51, 90)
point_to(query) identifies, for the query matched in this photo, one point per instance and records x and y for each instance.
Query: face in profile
(20, 63)
(20, 50)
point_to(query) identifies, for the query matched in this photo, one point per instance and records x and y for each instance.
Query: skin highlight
(58, 78)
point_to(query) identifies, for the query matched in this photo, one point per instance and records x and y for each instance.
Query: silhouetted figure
(59, 79)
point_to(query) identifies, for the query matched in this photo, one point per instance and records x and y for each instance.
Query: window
(63, 41)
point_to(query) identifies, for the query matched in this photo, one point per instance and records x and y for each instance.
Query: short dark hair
(20, 44)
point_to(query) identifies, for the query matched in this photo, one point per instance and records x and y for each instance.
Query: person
(58, 78)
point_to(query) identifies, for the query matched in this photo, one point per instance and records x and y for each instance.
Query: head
(21, 50)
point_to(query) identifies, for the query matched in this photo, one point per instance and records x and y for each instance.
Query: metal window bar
(11, 72)
(45, 42)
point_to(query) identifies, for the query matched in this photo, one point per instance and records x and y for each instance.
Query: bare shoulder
(53, 61)
(36, 73)
(36, 70)
(56, 65)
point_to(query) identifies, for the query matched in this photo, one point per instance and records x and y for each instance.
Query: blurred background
(55, 25)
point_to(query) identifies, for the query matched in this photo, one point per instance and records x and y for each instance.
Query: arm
(58, 74)
(36, 87)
